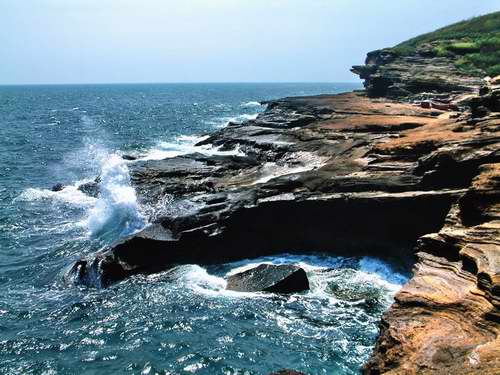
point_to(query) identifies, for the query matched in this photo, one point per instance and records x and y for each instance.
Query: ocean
(180, 321)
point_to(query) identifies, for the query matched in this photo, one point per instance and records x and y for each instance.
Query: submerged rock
(57, 187)
(270, 278)
(90, 188)
(129, 157)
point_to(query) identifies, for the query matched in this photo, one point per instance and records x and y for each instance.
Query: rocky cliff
(388, 74)
(413, 174)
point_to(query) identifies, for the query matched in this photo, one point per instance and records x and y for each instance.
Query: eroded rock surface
(446, 319)
(388, 74)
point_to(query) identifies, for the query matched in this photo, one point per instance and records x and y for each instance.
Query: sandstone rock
(270, 278)
(387, 74)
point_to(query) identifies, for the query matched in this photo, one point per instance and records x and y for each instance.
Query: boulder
(270, 278)
(90, 188)
(57, 187)
(129, 157)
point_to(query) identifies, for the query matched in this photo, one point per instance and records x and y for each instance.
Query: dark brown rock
(270, 278)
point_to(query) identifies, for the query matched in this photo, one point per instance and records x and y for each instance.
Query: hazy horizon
(183, 83)
(54, 42)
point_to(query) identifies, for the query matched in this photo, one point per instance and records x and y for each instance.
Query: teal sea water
(177, 322)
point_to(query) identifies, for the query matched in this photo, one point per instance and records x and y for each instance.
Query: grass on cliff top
(475, 43)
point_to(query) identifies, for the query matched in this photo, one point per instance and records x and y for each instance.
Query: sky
(126, 41)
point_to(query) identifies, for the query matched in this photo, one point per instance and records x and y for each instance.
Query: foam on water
(116, 210)
(224, 121)
(69, 194)
(184, 145)
(244, 117)
(323, 271)
(250, 104)
(199, 280)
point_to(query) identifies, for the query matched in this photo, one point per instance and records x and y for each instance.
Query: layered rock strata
(388, 74)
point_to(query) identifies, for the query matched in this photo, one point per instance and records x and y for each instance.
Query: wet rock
(128, 157)
(90, 188)
(270, 278)
(287, 372)
(57, 187)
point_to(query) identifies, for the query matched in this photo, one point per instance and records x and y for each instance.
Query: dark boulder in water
(128, 157)
(90, 188)
(57, 187)
(270, 278)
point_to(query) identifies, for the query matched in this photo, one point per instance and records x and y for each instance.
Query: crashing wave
(117, 210)
(184, 145)
(250, 104)
(69, 194)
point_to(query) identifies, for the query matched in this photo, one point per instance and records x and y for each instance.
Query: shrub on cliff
(474, 43)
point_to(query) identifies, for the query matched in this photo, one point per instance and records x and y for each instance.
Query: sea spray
(116, 212)
(250, 104)
(184, 145)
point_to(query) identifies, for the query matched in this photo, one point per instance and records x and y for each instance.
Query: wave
(250, 104)
(117, 211)
(184, 145)
(69, 194)
(323, 271)
(222, 122)
(360, 278)
(246, 117)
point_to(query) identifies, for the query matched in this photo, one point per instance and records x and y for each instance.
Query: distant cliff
(454, 58)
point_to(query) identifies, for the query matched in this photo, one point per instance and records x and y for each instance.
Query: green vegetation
(475, 43)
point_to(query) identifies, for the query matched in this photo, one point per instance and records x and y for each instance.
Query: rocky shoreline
(401, 170)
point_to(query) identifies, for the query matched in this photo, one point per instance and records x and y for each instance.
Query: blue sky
(111, 41)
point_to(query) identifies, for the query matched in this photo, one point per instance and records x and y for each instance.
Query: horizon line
(176, 83)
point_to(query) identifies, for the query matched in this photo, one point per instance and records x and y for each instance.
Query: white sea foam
(371, 271)
(184, 145)
(244, 117)
(116, 210)
(322, 272)
(224, 121)
(250, 104)
(384, 274)
(198, 279)
(69, 194)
